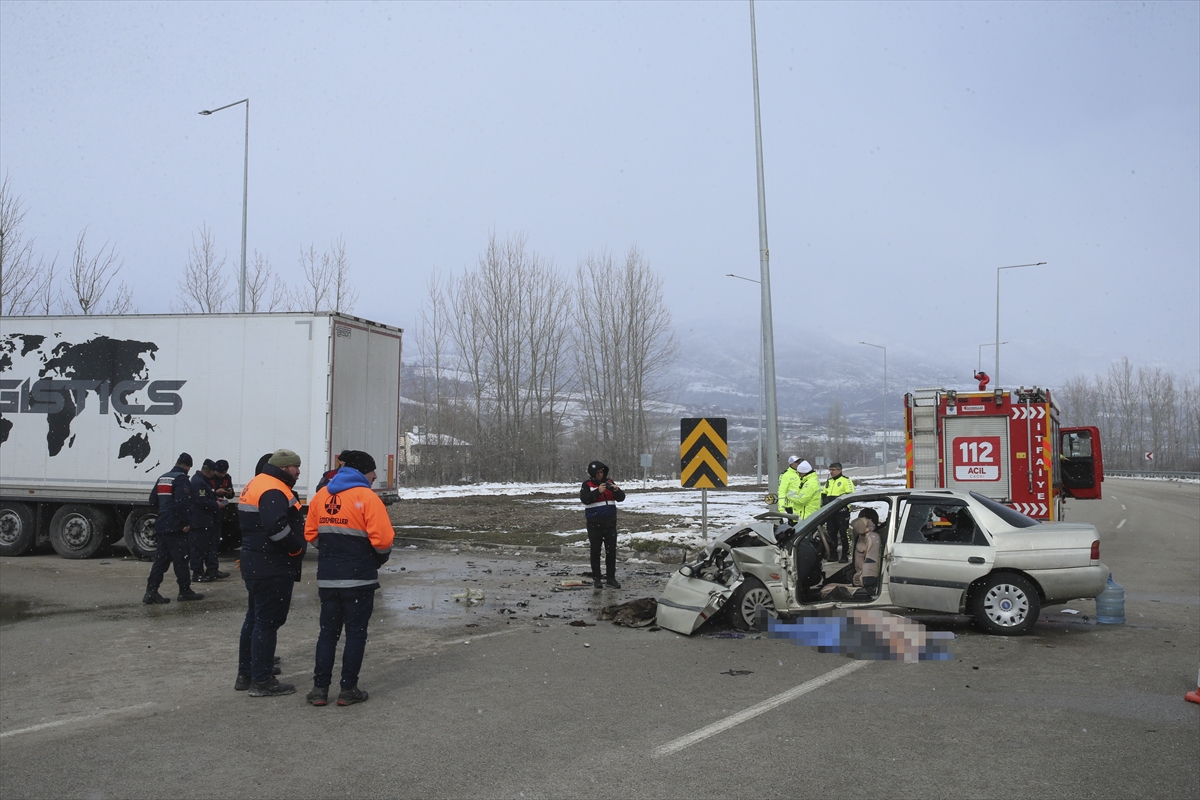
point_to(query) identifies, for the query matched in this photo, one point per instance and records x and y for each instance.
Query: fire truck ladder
(925, 438)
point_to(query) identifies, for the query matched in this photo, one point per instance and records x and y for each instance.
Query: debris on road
(639, 613)
(737, 672)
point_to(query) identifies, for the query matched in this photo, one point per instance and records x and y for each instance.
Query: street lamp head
(205, 113)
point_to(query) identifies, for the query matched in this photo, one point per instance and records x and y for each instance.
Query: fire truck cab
(1002, 444)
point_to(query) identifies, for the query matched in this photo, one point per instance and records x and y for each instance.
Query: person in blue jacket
(172, 497)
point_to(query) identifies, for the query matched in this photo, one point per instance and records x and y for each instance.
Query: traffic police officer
(839, 527)
(355, 536)
(172, 497)
(273, 548)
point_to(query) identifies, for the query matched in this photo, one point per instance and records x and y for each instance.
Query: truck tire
(79, 531)
(139, 533)
(17, 536)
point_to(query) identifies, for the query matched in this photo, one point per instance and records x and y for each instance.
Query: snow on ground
(725, 508)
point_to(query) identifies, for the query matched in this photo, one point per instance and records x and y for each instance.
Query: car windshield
(1014, 518)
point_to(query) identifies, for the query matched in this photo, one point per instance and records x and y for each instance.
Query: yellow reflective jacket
(808, 496)
(789, 485)
(836, 487)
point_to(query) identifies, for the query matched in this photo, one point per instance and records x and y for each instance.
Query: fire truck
(1002, 444)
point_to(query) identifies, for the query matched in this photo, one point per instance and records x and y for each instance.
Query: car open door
(1081, 462)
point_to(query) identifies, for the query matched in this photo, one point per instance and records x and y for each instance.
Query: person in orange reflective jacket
(353, 534)
(272, 551)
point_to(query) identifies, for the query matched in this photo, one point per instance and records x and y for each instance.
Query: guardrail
(1148, 473)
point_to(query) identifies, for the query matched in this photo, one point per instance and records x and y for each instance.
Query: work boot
(613, 583)
(596, 584)
(217, 575)
(272, 688)
(153, 598)
(276, 659)
(319, 696)
(348, 697)
(200, 577)
(242, 683)
(188, 594)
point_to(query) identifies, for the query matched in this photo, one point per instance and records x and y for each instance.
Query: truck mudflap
(687, 603)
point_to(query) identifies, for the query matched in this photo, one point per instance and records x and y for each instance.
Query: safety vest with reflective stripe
(353, 535)
(271, 544)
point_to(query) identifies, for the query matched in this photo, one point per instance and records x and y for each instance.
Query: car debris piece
(640, 613)
(578, 623)
(471, 596)
(414, 608)
(736, 672)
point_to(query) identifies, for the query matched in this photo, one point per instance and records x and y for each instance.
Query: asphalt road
(103, 697)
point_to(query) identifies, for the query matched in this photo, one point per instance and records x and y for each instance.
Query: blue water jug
(1110, 604)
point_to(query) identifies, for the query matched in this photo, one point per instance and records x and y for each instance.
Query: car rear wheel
(1006, 605)
(748, 600)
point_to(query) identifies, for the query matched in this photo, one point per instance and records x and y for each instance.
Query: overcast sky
(910, 149)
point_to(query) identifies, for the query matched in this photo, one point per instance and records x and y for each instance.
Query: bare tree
(624, 345)
(204, 287)
(265, 290)
(344, 296)
(89, 279)
(20, 276)
(509, 318)
(313, 295)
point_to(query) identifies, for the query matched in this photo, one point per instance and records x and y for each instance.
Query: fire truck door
(977, 455)
(941, 551)
(1081, 462)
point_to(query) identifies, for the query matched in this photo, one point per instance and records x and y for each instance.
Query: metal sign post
(704, 514)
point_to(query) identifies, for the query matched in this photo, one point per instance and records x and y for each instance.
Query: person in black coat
(205, 534)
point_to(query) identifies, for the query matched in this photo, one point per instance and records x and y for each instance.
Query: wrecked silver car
(938, 550)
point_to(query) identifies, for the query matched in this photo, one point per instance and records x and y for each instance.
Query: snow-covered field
(725, 508)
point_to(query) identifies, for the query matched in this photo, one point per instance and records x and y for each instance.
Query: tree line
(32, 283)
(527, 373)
(1138, 411)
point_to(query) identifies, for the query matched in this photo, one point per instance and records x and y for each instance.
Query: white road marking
(753, 711)
(1121, 524)
(59, 722)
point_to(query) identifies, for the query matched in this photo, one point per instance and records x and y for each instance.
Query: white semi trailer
(94, 408)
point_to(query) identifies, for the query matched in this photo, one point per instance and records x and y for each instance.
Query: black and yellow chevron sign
(703, 453)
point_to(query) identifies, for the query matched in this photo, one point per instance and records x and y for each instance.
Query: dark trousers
(603, 530)
(172, 550)
(270, 600)
(839, 534)
(203, 542)
(350, 608)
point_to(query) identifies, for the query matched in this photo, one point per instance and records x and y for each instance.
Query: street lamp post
(764, 266)
(1013, 266)
(979, 363)
(245, 193)
(885, 430)
(760, 381)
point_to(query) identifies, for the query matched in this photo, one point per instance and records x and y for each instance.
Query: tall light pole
(1014, 266)
(979, 363)
(760, 381)
(883, 469)
(245, 192)
(764, 266)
